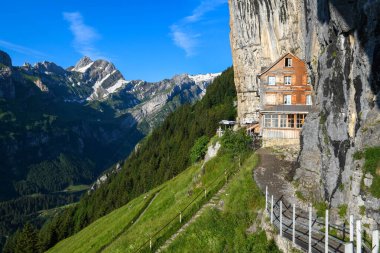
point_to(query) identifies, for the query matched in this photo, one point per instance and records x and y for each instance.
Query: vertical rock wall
(340, 42)
(261, 32)
(344, 67)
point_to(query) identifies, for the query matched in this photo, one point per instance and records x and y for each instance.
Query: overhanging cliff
(340, 42)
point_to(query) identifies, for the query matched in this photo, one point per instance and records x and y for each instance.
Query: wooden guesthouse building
(286, 98)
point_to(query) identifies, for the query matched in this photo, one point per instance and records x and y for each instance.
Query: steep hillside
(152, 218)
(61, 129)
(339, 40)
(159, 157)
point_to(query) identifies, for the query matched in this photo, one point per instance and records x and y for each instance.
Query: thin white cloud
(205, 7)
(185, 40)
(84, 36)
(21, 49)
(183, 34)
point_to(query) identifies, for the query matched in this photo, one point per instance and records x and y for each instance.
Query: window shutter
(294, 99)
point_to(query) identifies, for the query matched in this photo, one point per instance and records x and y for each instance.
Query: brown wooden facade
(286, 99)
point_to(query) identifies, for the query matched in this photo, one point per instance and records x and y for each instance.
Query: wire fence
(206, 194)
(312, 234)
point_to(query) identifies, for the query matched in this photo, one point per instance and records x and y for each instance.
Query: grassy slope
(225, 231)
(173, 197)
(214, 231)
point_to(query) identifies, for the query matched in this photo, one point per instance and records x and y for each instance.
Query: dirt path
(272, 172)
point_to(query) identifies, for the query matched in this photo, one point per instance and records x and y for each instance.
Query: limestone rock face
(7, 89)
(261, 32)
(340, 42)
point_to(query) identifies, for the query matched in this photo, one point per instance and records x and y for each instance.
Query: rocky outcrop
(5, 59)
(7, 89)
(340, 42)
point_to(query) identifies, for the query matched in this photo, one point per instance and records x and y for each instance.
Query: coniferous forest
(159, 157)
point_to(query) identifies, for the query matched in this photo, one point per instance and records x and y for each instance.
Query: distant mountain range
(64, 127)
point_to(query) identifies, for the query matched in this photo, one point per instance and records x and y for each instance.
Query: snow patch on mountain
(119, 84)
(83, 69)
(204, 78)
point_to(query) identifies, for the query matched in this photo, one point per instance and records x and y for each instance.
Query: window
(271, 80)
(271, 120)
(275, 120)
(291, 120)
(308, 100)
(267, 121)
(300, 120)
(283, 120)
(288, 80)
(287, 99)
(288, 62)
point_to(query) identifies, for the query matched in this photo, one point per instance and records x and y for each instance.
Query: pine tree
(27, 241)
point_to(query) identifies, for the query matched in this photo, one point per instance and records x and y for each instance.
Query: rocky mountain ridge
(99, 81)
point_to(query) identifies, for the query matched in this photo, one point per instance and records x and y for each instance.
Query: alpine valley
(61, 129)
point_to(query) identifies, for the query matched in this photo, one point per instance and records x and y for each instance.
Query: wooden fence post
(266, 198)
(310, 224)
(358, 237)
(375, 241)
(351, 228)
(205, 193)
(349, 247)
(294, 224)
(327, 232)
(150, 243)
(180, 217)
(271, 211)
(281, 218)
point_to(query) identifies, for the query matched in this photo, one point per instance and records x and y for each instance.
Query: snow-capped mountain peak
(204, 77)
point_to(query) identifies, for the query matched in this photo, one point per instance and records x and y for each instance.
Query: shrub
(362, 210)
(236, 142)
(199, 149)
(372, 166)
(321, 208)
(300, 196)
(358, 155)
(342, 210)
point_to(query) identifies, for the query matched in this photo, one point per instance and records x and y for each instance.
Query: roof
(227, 122)
(279, 59)
(287, 108)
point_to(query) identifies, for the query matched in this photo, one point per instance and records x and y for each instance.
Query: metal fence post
(294, 224)
(310, 224)
(327, 232)
(375, 241)
(358, 237)
(351, 228)
(281, 218)
(271, 211)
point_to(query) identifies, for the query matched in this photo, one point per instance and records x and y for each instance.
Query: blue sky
(149, 40)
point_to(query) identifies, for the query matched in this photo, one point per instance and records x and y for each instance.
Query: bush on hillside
(236, 143)
(199, 149)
